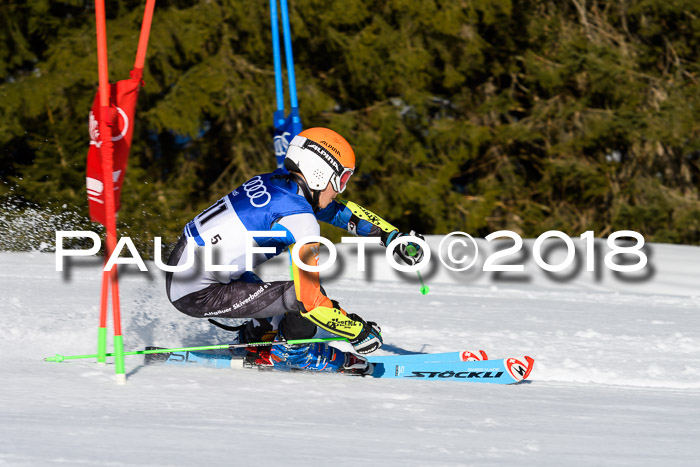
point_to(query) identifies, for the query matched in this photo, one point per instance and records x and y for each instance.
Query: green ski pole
(424, 289)
(60, 358)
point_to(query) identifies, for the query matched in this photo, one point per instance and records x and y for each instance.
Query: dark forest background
(465, 115)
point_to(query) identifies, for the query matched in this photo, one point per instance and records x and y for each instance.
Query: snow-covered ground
(616, 378)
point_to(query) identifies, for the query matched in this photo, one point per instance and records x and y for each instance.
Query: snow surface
(616, 378)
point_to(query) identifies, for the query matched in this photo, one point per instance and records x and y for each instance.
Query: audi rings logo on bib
(255, 190)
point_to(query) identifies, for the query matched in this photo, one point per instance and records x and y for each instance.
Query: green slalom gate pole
(60, 358)
(119, 367)
(424, 289)
(101, 344)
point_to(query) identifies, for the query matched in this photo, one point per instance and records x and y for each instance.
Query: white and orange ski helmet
(321, 156)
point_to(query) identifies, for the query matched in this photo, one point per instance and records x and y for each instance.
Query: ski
(191, 358)
(463, 356)
(214, 360)
(464, 366)
(501, 371)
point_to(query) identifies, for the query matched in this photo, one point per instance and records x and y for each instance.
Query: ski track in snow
(616, 378)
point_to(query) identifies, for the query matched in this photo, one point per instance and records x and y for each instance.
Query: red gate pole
(106, 151)
(102, 329)
(145, 31)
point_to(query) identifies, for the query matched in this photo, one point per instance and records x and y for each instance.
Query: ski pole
(60, 358)
(424, 289)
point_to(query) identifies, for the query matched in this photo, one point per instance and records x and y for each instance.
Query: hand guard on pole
(370, 339)
(411, 253)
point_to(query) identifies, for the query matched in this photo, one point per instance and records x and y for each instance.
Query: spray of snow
(27, 228)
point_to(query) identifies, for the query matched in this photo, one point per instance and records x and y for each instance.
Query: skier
(290, 201)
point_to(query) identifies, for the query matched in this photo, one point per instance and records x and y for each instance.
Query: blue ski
(502, 371)
(218, 360)
(455, 366)
(463, 356)
(188, 358)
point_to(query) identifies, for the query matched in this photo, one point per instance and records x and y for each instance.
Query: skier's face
(327, 196)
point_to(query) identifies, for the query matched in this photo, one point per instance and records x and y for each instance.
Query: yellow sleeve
(316, 307)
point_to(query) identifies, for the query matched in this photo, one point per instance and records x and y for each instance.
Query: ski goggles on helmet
(318, 165)
(339, 182)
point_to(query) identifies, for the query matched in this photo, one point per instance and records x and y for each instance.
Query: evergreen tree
(477, 116)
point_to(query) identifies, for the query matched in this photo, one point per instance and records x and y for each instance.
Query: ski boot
(318, 357)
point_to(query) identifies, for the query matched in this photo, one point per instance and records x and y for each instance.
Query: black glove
(411, 253)
(369, 339)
